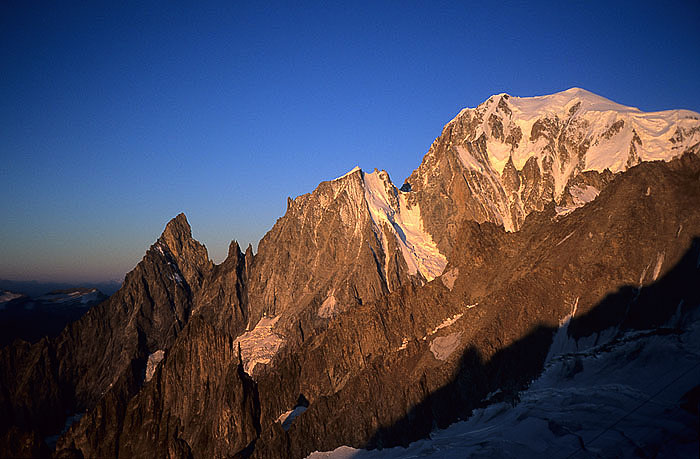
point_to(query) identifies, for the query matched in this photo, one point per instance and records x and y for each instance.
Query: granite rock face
(353, 240)
(104, 354)
(199, 402)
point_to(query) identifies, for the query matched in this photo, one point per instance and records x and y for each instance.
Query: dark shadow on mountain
(36, 288)
(659, 306)
(31, 319)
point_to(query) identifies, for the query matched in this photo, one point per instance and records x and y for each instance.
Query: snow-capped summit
(611, 136)
(512, 155)
(564, 100)
(351, 171)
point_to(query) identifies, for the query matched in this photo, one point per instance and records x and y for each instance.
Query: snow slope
(260, 344)
(621, 398)
(390, 209)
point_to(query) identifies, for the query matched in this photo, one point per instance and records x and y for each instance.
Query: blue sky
(116, 116)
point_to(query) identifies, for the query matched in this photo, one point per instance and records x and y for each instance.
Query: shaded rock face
(199, 403)
(104, 354)
(511, 156)
(198, 391)
(222, 297)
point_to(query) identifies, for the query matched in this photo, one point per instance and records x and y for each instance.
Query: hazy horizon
(115, 118)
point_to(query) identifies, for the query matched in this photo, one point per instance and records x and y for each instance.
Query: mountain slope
(408, 370)
(385, 372)
(353, 240)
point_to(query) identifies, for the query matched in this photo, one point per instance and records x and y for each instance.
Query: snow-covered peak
(6, 295)
(562, 102)
(79, 295)
(605, 134)
(559, 137)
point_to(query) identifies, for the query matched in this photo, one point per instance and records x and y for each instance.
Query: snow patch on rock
(447, 322)
(449, 278)
(328, 307)
(260, 344)
(580, 196)
(404, 344)
(443, 346)
(567, 237)
(288, 417)
(153, 360)
(561, 337)
(659, 264)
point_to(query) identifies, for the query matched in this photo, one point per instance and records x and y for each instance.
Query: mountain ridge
(360, 284)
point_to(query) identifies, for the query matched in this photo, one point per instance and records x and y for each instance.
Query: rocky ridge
(98, 362)
(353, 240)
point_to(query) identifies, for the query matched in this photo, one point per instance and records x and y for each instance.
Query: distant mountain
(32, 318)
(540, 246)
(36, 288)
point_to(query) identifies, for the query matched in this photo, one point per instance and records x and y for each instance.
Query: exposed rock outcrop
(100, 360)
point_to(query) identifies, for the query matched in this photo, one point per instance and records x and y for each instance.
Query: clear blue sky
(114, 117)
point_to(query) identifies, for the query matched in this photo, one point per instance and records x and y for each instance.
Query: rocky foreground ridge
(371, 314)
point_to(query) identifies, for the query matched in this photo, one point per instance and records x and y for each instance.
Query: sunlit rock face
(511, 156)
(388, 372)
(352, 240)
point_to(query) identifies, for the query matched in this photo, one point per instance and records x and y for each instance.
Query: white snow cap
(655, 133)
